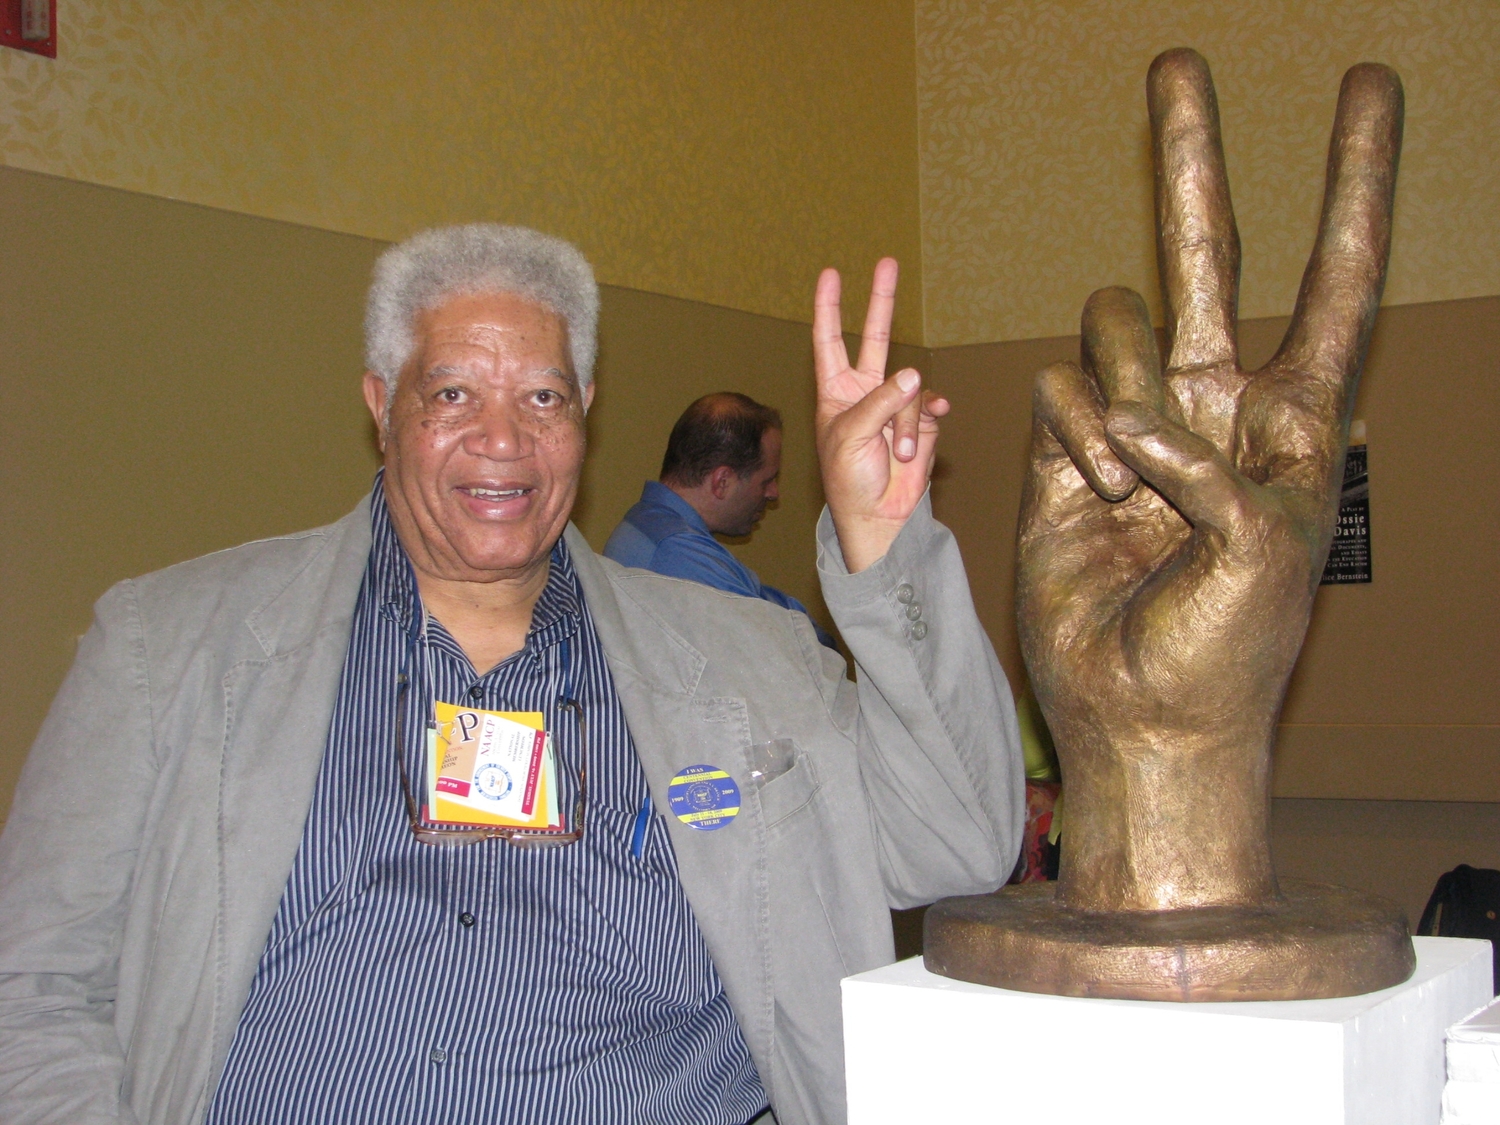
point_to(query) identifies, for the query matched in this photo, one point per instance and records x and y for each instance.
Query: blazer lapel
(674, 724)
(278, 710)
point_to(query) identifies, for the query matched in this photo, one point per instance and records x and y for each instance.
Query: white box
(920, 1047)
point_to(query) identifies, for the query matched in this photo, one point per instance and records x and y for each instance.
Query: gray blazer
(158, 815)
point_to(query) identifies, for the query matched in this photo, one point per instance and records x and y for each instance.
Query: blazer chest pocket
(784, 777)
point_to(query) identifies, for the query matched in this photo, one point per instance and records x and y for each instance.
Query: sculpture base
(1319, 941)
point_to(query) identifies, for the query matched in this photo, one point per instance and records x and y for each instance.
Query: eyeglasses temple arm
(411, 802)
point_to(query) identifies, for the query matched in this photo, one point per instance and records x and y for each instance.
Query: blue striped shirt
(408, 983)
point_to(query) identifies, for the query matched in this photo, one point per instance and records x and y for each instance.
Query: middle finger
(875, 343)
(1198, 246)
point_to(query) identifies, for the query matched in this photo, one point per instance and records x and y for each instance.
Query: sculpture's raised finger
(1065, 405)
(1119, 347)
(1197, 245)
(1340, 291)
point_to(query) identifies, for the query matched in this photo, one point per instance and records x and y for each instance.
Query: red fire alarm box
(29, 25)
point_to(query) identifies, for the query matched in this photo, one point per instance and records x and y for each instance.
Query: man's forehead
(493, 323)
(488, 312)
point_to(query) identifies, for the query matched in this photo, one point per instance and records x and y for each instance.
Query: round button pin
(492, 781)
(704, 797)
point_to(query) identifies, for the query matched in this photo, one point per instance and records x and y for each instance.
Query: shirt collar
(657, 493)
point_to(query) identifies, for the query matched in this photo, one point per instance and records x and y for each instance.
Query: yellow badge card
(490, 767)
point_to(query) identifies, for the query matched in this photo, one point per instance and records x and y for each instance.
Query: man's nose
(500, 433)
(773, 491)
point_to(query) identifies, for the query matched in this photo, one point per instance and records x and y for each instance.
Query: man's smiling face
(484, 441)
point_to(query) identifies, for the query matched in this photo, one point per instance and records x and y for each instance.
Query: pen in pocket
(642, 819)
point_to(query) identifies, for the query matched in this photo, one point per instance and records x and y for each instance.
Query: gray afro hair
(433, 265)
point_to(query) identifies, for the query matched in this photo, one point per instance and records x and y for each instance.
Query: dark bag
(1466, 903)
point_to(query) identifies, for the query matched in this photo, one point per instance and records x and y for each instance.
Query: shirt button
(913, 611)
(919, 630)
(437, 1054)
(905, 593)
(466, 919)
(476, 692)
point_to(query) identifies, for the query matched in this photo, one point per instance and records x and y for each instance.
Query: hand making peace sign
(1175, 522)
(877, 437)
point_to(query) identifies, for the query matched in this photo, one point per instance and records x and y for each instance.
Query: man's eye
(450, 395)
(548, 398)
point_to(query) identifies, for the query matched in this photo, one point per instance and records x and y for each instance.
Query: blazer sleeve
(66, 860)
(935, 723)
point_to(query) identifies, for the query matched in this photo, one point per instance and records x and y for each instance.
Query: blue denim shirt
(663, 533)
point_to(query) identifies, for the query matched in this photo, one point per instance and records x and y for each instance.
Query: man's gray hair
(433, 265)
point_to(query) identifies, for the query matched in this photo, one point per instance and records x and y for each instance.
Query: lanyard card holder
(490, 768)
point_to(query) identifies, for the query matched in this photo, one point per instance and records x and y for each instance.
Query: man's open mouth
(496, 495)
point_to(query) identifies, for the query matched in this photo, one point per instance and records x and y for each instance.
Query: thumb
(1188, 470)
(870, 415)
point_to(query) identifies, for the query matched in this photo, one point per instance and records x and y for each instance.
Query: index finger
(1341, 289)
(830, 357)
(875, 341)
(1198, 245)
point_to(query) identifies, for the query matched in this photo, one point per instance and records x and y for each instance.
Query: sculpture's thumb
(1187, 470)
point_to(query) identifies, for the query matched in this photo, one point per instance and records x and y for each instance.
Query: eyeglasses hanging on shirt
(491, 775)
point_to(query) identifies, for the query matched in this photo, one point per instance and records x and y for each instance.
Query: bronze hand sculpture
(1172, 533)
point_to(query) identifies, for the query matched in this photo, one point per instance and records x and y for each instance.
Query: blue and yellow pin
(704, 797)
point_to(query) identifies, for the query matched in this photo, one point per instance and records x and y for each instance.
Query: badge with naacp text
(704, 797)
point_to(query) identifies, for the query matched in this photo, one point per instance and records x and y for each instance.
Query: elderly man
(721, 469)
(223, 892)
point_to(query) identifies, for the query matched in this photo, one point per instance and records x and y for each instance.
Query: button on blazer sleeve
(939, 750)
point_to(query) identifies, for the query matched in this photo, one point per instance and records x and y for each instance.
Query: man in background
(720, 471)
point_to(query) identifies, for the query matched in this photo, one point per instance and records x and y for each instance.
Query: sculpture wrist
(1156, 823)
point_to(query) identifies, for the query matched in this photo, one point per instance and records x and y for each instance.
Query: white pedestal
(920, 1047)
(1472, 1095)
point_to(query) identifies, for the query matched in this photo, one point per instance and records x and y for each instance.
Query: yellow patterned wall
(724, 150)
(720, 150)
(1035, 166)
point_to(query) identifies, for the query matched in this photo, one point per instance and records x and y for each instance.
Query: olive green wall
(178, 379)
(175, 380)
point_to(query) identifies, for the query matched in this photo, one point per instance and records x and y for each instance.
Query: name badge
(704, 797)
(490, 767)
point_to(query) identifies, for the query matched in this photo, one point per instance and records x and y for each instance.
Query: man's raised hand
(876, 436)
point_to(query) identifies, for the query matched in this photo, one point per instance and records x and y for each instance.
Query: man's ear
(588, 397)
(375, 397)
(719, 480)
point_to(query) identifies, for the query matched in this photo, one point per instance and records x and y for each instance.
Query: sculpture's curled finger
(1119, 347)
(1067, 407)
